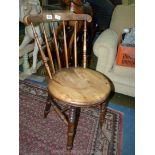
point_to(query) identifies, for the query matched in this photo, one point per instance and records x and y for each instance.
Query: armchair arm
(105, 48)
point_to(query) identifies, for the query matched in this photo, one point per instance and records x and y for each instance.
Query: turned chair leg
(103, 110)
(71, 128)
(48, 106)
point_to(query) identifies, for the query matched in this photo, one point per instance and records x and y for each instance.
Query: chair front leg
(103, 110)
(71, 127)
(48, 106)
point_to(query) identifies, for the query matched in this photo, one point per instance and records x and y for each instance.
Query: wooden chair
(72, 87)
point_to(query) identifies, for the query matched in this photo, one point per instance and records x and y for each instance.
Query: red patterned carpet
(39, 136)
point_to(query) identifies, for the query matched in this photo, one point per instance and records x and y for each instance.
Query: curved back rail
(60, 17)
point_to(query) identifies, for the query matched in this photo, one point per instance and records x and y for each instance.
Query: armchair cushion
(123, 17)
(105, 48)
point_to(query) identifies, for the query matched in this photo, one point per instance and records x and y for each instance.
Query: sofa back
(123, 17)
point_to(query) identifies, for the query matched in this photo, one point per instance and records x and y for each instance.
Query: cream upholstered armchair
(105, 48)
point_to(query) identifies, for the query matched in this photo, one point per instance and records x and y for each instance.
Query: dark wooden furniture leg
(103, 110)
(48, 106)
(71, 128)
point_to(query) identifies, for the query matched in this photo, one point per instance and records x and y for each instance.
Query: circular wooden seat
(79, 86)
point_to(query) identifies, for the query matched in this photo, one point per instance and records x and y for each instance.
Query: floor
(128, 141)
(123, 100)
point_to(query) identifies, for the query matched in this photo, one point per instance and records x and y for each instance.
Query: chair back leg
(71, 127)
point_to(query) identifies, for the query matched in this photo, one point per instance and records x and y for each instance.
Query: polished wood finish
(48, 49)
(56, 47)
(49, 16)
(44, 59)
(65, 45)
(72, 87)
(71, 127)
(79, 86)
(84, 45)
(75, 45)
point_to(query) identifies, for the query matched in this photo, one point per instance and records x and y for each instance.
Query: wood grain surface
(79, 86)
(55, 15)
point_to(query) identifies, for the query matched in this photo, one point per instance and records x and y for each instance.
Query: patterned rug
(39, 136)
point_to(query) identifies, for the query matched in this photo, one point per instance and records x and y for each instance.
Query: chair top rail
(48, 16)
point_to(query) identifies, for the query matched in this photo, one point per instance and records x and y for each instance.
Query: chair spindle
(48, 49)
(84, 45)
(56, 47)
(65, 45)
(75, 44)
(41, 52)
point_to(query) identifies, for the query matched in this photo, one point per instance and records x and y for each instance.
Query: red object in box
(125, 56)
